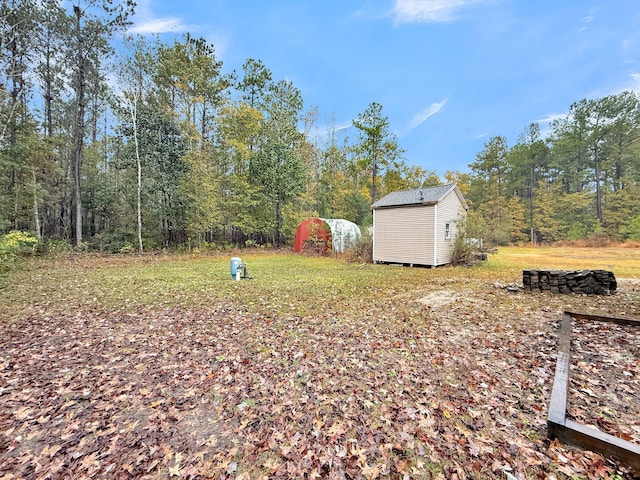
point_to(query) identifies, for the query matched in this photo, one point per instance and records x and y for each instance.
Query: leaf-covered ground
(604, 384)
(159, 368)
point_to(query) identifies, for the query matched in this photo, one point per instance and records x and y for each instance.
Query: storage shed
(417, 227)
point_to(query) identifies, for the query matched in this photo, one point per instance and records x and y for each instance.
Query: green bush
(633, 229)
(116, 242)
(461, 254)
(54, 247)
(577, 231)
(463, 244)
(14, 245)
(127, 248)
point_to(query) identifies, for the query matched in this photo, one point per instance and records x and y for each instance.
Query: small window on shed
(447, 231)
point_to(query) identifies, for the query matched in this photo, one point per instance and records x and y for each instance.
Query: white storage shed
(417, 227)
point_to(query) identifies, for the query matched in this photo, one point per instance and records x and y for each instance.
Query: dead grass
(623, 260)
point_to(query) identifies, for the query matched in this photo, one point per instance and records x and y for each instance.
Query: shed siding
(449, 208)
(403, 235)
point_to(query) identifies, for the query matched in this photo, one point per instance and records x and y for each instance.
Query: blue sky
(450, 74)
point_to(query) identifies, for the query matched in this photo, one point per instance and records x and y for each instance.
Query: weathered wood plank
(568, 431)
(601, 442)
(558, 405)
(619, 320)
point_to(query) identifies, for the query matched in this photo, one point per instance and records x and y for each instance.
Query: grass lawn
(161, 366)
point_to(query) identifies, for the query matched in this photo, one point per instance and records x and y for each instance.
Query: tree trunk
(203, 124)
(133, 109)
(598, 175)
(598, 192)
(278, 230)
(79, 128)
(532, 234)
(48, 96)
(36, 213)
(95, 109)
(374, 174)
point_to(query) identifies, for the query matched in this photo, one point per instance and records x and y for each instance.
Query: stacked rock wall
(590, 282)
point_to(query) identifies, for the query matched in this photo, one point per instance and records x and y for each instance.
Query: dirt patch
(441, 298)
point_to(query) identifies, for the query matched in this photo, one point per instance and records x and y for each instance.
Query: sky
(449, 74)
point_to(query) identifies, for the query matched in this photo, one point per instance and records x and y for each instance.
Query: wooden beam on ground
(603, 443)
(568, 431)
(600, 318)
(558, 406)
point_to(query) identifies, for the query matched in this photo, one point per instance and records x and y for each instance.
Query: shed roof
(422, 196)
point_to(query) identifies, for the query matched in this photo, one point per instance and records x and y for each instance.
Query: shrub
(127, 248)
(633, 229)
(577, 231)
(597, 240)
(116, 242)
(361, 250)
(14, 245)
(461, 254)
(464, 243)
(54, 247)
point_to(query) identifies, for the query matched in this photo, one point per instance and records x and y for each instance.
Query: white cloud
(329, 133)
(428, 112)
(545, 123)
(588, 19)
(159, 25)
(343, 126)
(552, 117)
(429, 11)
(147, 22)
(632, 83)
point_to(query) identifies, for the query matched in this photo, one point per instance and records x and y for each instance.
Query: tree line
(581, 180)
(156, 145)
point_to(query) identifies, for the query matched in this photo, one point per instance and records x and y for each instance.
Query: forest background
(156, 146)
